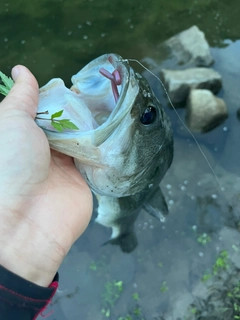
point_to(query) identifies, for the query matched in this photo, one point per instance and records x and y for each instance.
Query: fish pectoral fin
(156, 205)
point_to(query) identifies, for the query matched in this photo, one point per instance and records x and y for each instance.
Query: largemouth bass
(124, 143)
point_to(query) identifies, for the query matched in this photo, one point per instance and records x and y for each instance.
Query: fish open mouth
(102, 95)
(98, 92)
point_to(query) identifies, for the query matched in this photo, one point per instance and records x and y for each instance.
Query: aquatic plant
(112, 292)
(223, 301)
(221, 263)
(164, 287)
(135, 296)
(106, 312)
(193, 310)
(223, 297)
(234, 299)
(127, 317)
(100, 265)
(137, 311)
(93, 266)
(204, 239)
(206, 277)
(136, 314)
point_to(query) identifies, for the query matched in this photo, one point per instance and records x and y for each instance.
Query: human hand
(45, 204)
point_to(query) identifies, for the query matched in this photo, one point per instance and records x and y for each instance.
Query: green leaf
(67, 124)
(57, 114)
(8, 81)
(57, 126)
(3, 90)
(8, 84)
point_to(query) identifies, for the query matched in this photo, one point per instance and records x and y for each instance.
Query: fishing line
(182, 122)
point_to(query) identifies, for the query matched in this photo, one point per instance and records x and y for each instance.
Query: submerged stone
(204, 111)
(190, 46)
(180, 82)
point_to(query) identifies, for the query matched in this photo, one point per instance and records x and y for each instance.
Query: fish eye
(148, 116)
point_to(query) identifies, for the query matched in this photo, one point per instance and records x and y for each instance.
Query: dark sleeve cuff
(21, 299)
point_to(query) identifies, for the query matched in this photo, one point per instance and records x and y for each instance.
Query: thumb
(24, 94)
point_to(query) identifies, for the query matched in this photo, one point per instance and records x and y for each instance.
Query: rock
(179, 82)
(190, 46)
(204, 111)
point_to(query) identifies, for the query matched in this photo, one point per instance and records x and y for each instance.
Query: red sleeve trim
(54, 285)
(21, 299)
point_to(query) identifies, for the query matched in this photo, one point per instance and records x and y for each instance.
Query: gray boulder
(204, 111)
(180, 82)
(190, 46)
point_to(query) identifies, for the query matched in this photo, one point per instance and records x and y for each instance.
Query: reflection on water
(60, 36)
(162, 278)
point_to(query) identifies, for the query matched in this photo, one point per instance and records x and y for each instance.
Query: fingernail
(15, 72)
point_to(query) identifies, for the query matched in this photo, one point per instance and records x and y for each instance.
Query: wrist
(27, 271)
(37, 260)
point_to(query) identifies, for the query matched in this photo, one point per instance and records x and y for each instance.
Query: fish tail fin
(127, 242)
